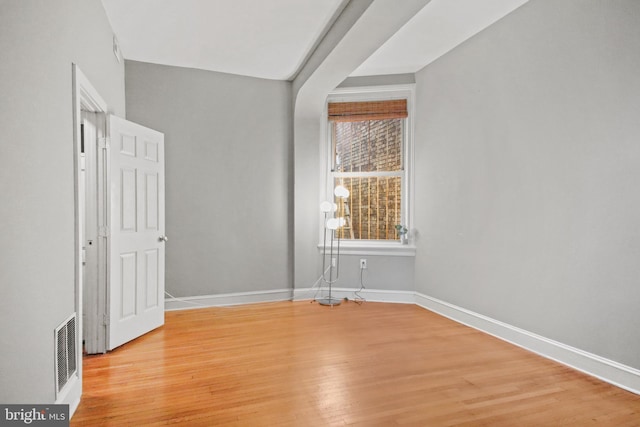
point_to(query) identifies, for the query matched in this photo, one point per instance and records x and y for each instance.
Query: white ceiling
(439, 27)
(259, 38)
(272, 38)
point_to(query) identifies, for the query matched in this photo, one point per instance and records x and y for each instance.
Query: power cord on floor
(359, 299)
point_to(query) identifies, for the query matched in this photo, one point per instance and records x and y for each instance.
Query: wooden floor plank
(301, 364)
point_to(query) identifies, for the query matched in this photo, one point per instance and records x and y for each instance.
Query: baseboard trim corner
(604, 369)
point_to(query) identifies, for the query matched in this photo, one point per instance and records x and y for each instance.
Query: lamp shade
(326, 206)
(341, 191)
(333, 223)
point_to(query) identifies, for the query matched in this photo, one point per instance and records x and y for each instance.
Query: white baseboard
(607, 370)
(73, 406)
(71, 394)
(238, 298)
(223, 300)
(373, 295)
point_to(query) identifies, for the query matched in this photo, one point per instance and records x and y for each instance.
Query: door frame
(85, 97)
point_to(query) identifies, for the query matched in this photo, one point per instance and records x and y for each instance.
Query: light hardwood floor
(302, 364)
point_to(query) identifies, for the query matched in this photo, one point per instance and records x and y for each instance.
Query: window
(368, 153)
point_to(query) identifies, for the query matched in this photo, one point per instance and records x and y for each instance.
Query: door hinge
(104, 143)
(105, 319)
(103, 231)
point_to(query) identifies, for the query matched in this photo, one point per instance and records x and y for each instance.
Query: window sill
(372, 248)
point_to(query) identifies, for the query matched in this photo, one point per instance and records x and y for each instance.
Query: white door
(136, 231)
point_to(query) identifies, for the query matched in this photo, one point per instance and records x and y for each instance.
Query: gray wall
(39, 40)
(527, 168)
(227, 144)
(384, 272)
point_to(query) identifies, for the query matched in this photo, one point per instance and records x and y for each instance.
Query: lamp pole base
(329, 301)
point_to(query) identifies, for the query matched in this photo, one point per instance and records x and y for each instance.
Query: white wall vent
(65, 350)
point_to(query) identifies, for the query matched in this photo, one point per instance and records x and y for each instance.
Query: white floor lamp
(331, 225)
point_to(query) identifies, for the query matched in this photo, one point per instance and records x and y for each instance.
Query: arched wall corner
(362, 27)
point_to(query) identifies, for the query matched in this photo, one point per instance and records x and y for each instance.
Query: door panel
(151, 278)
(137, 228)
(151, 202)
(128, 202)
(128, 285)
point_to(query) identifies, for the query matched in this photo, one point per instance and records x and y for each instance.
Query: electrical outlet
(333, 262)
(363, 263)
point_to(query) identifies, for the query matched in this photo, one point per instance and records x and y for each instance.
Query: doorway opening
(89, 126)
(120, 224)
(91, 190)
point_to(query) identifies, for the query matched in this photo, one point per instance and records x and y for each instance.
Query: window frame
(373, 93)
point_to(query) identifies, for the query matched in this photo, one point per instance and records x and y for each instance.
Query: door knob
(163, 238)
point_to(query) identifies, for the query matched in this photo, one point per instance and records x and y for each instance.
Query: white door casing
(136, 231)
